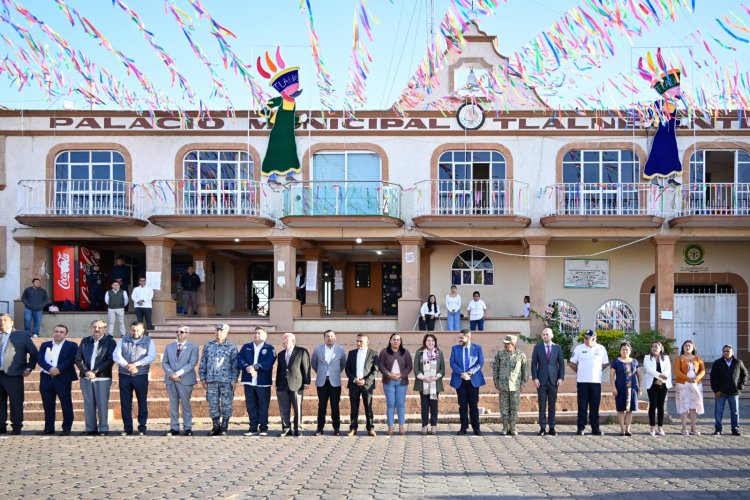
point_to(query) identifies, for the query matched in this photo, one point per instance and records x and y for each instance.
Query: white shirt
(328, 353)
(92, 363)
(526, 310)
(361, 355)
(590, 361)
(52, 354)
(453, 304)
(144, 293)
(256, 354)
(425, 310)
(180, 347)
(124, 293)
(5, 336)
(476, 309)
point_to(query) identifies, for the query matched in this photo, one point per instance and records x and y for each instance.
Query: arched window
(601, 182)
(472, 267)
(570, 320)
(615, 315)
(217, 182)
(91, 183)
(471, 182)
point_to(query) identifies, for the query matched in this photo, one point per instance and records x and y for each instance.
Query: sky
(400, 40)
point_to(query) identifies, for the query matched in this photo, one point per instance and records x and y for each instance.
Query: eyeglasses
(181, 331)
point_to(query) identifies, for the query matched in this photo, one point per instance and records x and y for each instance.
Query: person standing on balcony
(299, 282)
(476, 310)
(134, 354)
(142, 298)
(34, 300)
(453, 306)
(116, 300)
(95, 280)
(121, 273)
(190, 282)
(94, 362)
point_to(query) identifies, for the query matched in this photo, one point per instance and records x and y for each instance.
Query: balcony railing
(713, 199)
(81, 197)
(208, 197)
(471, 197)
(342, 198)
(585, 199)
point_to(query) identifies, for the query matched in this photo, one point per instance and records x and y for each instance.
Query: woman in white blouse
(428, 313)
(453, 306)
(658, 381)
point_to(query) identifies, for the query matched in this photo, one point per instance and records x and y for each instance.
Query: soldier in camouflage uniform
(218, 374)
(510, 371)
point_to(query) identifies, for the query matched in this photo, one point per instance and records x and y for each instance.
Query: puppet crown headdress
(284, 76)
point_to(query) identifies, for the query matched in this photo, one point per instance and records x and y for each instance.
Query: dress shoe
(3, 430)
(508, 433)
(477, 432)
(597, 432)
(371, 433)
(319, 432)
(296, 433)
(461, 432)
(736, 432)
(172, 432)
(251, 432)
(552, 431)
(541, 432)
(188, 432)
(717, 433)
(90, 433)
(580, 432)
(64, 433)
(15, 432)
(126, 433)
(45, 433)
(352, 432)
(335, 433)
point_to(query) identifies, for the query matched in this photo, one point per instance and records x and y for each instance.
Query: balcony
(478, 203)
(220, 203)
(712, 205)
(341, 204)
(80, 202)
(604, 205)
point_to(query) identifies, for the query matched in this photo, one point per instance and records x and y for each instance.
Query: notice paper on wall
(311, 278)
(153, 279)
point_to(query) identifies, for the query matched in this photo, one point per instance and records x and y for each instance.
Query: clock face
(470, 116)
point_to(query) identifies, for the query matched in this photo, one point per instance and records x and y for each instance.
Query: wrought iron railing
(713, 199)
(604, 199)
(471, 197)
(208, 197)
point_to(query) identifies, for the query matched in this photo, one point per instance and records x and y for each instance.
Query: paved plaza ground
(411, 466)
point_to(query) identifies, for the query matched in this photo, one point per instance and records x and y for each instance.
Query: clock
(470, 116)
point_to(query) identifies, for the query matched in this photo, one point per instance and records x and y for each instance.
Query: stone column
(312, 307)
(338, 299)
(33, 259)
(424, 276)
(284, 305)
(537, 280)
(241, 300)
(664, 282)
(159, 260)
(410, 301)
(206, 305)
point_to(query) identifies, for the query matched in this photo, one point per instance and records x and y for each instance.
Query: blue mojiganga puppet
(664, 159)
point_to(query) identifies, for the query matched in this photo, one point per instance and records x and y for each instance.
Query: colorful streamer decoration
(325, 87)
(355, 89)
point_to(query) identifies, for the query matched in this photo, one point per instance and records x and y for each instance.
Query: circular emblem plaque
(470, 116)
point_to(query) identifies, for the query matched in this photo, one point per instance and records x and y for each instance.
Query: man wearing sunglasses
(179, 362)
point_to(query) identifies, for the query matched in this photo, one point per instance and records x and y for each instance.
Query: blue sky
(400, 40)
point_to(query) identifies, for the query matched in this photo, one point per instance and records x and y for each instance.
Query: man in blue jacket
(466, 361)
(255, 361)
(57, 358)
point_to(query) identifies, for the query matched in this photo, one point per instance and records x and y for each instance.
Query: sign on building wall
(63, 259)
(586, 273)
(694, 258)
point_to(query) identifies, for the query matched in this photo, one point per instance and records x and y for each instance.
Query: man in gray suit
(547, 372)
(328, 361)
(17, 359)
(179, 361)
(292, 375)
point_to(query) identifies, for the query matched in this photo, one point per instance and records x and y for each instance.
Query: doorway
(261, 291)
(391, 287)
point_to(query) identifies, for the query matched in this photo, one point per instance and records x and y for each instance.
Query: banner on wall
(63, 259)
(87, 259)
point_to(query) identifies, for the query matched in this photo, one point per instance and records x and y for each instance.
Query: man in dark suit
(467, 360)
(94, 361)
(255, 361)
(361, 368)
(547, 372)
(57, 358)
(292, 375)
(17, 359)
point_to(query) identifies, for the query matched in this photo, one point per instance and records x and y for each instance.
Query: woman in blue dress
(626, 386)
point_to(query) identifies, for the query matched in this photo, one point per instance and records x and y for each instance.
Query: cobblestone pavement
(411, 466)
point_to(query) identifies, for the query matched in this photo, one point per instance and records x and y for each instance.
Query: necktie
(466, 359)
(2, 351)
(288, 356)
(179, 350)
(548, 352)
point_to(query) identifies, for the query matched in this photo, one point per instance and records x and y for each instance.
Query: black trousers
(51, 389)
(139, 385)
(589, 398)
(328, 393)
(547, 394)
(657, 394)
(429, 409)
(468, 405)
(427, 324)
(11, 389)
(355, 394)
